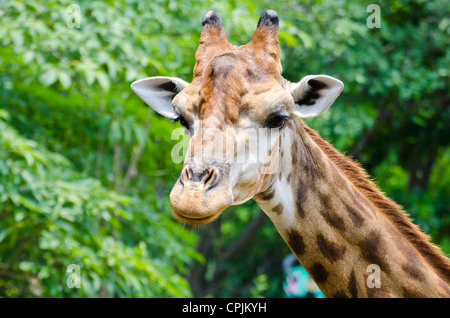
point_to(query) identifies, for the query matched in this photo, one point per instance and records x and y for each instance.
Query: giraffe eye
(276, 121)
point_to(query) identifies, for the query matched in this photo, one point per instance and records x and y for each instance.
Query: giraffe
(323, 204)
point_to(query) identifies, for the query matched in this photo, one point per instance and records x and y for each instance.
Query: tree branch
(246, 236)
(4, 213)
(132, 169)
(383, 113)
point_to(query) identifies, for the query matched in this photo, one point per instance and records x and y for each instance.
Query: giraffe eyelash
(276, 121)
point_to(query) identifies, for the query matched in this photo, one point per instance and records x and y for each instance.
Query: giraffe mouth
(197, 220)
(194, 204)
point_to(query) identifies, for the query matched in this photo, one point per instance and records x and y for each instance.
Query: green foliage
(260, 287)
(70, 192)
(53, 216)
(85, 168)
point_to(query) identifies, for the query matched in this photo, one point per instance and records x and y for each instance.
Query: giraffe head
(237, 111)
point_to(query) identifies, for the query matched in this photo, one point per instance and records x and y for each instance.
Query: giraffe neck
(347, 246)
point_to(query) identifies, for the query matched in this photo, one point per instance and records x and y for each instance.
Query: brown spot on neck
(296, 243)
(340, 294)
(412, 293)
(373, 251)
(413, 265)
(356, 217)
(278, 209)
(377, 293)
(288, 179)
(294, 153)
(330, 215)
(352, 287)
(301, 195)
(413, 271)
(318, 273)
(330, 250)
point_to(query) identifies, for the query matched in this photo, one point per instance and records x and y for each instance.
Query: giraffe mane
(388, 208)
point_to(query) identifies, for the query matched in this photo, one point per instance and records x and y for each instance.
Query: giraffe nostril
(212, 176)
(185, 175)
(206, 177)
(209, 177)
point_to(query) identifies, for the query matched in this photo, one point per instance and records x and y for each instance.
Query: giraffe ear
(314, 94)
(158, 92)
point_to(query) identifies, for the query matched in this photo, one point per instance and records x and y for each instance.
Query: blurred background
(85, 168)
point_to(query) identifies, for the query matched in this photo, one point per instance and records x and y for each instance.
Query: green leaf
(28, 56)
(64, 79)
(103, 80)
(48, 77)
(140, 135)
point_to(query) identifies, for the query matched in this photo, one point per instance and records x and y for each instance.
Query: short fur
(392, 211)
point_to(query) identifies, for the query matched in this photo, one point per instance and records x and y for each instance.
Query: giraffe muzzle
(200, 195)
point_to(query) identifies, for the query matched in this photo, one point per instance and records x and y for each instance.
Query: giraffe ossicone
(323, 204)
